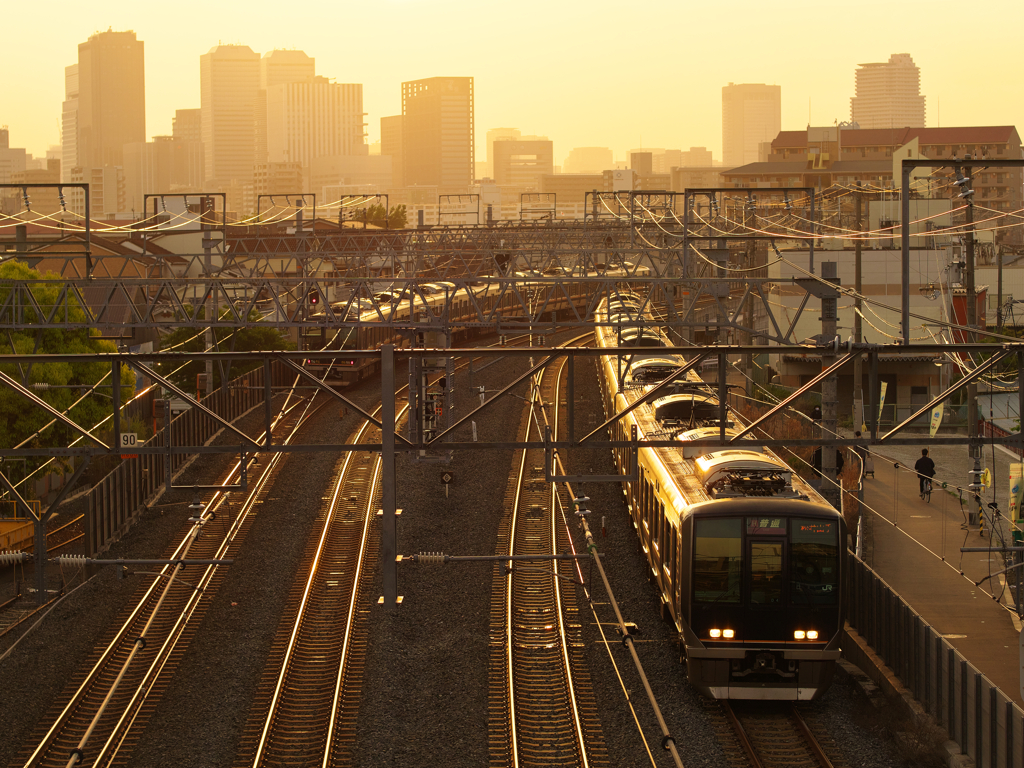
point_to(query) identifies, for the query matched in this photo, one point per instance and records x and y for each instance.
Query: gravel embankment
(426, 685)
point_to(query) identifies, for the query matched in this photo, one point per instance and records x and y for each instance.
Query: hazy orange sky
(621, 75)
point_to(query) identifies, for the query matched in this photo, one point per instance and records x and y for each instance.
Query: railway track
(769, 735)
(97, 719)
(542, 711)
(307, 703)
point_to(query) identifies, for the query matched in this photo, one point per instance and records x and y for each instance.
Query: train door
(766, 556)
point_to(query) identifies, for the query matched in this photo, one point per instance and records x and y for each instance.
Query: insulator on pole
(13, 558)
(71, 559)
(430, 558)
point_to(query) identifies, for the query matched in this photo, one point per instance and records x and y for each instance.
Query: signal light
(313, 297)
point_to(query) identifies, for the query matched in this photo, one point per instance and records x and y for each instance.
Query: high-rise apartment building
(69, 123)
(437, 133)
(888, 94)
(751, 114)
(229, 79)
(111, 97)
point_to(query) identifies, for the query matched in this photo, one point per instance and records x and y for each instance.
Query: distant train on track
(749, 559)
(461, 305)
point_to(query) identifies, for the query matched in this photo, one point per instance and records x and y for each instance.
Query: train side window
(717, 560)
(814, 562)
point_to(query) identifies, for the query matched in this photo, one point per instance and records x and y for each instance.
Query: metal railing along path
(977, 715)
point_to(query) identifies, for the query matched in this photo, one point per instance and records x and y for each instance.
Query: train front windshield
(814, 561)
(766, 562)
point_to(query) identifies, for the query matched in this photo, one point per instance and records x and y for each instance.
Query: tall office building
(111, 98)
(391, 146)
(521, 163)
(187, 125)
(888, 94)
(751, 114)
(493, 135)
(229, 79)
(69, 123)
(278, 67)
(313, 119)
(437, 133)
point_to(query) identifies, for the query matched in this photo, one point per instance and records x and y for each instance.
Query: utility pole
(858, 374)
(829, 394)
(206, 209)
(972, 320)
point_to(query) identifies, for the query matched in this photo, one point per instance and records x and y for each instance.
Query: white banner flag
(881, 399)
(936, 419)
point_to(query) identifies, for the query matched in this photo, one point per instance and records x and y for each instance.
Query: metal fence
(977, 715)
(116, 501)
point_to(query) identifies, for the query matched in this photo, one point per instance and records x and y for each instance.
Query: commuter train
(461, 304)
(749, 559)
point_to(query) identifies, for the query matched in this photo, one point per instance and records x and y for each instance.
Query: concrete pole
(210, 305)
(858, 372)
(388, 530)
(972, 322)
(829, 395)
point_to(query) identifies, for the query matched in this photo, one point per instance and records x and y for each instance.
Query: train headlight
(728, 634)
(812, 634)
(715, 633)
(799, 634)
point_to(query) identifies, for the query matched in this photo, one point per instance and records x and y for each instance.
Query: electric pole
(829, 394)
(858, 374)
(972, 321)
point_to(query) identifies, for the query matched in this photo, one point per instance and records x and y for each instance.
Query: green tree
(60, 385)
(249, 339)
(396, 218)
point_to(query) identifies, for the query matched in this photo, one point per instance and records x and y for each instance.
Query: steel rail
(536, 420)
(142, 692)
(128, 625)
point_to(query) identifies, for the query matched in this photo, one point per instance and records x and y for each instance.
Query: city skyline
(622, 109)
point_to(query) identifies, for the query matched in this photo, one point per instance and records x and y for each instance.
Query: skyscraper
(391, 145)
(751, 114)
(888, 94)
(437, 133)
(229, 79)
(111, 97)
(313, 119)
(69, 123)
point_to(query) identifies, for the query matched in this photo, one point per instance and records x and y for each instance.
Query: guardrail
(977, 715)
(115, 502)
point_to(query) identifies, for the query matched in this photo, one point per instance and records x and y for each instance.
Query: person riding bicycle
(925, 469)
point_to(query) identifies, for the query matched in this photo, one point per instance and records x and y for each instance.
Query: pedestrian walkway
(914, 546)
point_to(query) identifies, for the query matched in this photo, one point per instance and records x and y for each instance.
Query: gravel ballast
(425, 689)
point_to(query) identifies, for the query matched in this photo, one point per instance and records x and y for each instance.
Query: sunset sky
(622, 75)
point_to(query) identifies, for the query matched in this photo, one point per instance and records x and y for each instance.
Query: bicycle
(926, 491)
